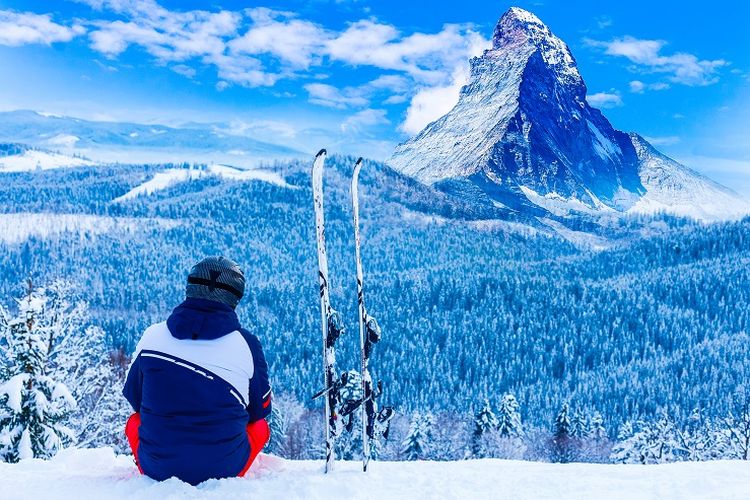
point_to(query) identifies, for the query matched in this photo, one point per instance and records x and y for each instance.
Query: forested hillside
(472, 303)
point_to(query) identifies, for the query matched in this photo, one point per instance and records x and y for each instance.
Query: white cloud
(295, 42)
(330, 96)
(260, 46)
(167, 35)
(428, 58)
(646, 55)
(242, 70)
(605, 99)
(638, 87)
(363, 119)
(430, 103)
(184, 70)
(23, 28)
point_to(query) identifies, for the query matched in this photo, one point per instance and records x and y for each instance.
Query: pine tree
(561, 439)
(509, 418)
(485, 422)
(35, 406)
(508, 439)
(416, 445)
(597, 430)
(579, 426)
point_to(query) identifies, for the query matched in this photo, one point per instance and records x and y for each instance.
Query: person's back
(199, 385)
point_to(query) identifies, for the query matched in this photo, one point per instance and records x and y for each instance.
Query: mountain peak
(523, 133)
(518, 26)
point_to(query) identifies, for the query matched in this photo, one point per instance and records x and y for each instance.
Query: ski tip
(359, 160)
(321, 152)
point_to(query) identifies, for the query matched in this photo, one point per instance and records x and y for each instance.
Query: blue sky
(358, 77)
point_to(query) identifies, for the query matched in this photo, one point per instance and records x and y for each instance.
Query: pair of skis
(332, 328)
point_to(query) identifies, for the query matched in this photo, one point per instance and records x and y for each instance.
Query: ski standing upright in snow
(331, 323)
(369, 334)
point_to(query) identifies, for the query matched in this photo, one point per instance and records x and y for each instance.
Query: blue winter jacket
(197, 380)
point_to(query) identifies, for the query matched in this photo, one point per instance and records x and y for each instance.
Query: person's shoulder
(150, 334)
(252, 340)
(155, 329)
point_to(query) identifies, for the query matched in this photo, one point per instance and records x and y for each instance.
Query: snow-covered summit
(521, 26)
(524, 134)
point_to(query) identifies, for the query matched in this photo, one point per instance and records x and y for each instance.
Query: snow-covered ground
(39, 160)
(18, 227)
(99, 474)
(166, 178)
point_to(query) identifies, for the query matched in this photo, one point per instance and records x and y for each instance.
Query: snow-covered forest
(499, 340)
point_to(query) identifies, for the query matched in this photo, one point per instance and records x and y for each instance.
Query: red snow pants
(258, 434)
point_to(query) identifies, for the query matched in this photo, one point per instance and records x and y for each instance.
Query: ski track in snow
(99, 474)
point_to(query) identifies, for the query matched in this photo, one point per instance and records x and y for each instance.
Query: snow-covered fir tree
(561, 446)
(76, 354)
(417, 443)
(35, 405)
(508, 439)
(509, 418)
(597, 431)
(579, 425)
(485, 422)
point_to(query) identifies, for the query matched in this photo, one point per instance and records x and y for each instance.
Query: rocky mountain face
(523, 134)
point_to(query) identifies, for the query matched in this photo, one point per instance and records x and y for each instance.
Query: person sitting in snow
(199, 384)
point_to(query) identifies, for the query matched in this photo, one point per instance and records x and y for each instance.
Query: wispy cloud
(646, 56)
(260, 46)
(24, 28)
(363, 119)
(332, 97)
(609, 99)
(638, 87)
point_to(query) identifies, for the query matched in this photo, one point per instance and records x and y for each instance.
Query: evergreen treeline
(470, 307)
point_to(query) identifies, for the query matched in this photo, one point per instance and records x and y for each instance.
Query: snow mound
(98, 473)
(40, 160)
(169, 177)
(18, 227)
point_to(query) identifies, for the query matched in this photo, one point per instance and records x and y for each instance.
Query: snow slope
(33, 160)
(18, 227)
(674, 188)
(97, 474)
(166, 178)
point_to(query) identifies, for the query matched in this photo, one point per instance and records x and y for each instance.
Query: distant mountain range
(523, 136)
(137, 143)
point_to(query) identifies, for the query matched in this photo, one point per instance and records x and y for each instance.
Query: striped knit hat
(218, 279)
